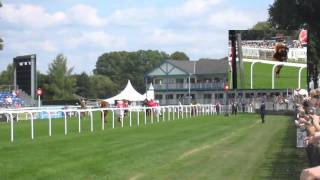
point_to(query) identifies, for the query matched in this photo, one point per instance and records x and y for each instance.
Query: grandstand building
(199, 82)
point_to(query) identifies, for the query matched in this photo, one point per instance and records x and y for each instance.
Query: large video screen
(268, 59)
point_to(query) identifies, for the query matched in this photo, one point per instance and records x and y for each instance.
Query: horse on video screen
(281, 55)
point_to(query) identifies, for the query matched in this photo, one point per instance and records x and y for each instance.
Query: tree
(61, 84)
(6, 76)
(102, 87)
(83, 85)
(179, 56)
(120, 66)
(262, 25)
(1, 44)
(288, 14)
(1, 41)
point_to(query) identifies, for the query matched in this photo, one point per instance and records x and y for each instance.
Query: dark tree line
(111, 74)
(292, 14)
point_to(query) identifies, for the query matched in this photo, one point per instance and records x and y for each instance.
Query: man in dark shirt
(262, 111)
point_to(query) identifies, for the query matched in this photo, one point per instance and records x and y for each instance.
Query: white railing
(294, 54)
(275, 64)
(167, 112)
(211, 85)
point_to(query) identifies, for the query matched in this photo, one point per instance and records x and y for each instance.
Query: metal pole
(91, 121)
(102, 119)
(79, 121)
(251, 74)
(38, 101)
(112, 118)
(138, 118)
(32, 127)
(145, 116)
(65, 122)
(273, 69)
(130, 118)
(11, 126)
(234, 63)
(49, 114)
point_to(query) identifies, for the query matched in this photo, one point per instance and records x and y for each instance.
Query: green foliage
(61, 84)
(288, 14)
(6, 76)
(101, 86)
(1, 44)
(262, 26)
(266, 34)
(120, 66)
(83, 85)
(179, 56)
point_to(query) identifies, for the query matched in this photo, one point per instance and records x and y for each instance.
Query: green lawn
(262, 77)
(208, 147)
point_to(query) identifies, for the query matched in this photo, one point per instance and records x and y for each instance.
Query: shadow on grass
(283, 159)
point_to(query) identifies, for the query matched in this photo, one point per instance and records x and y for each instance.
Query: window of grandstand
(158, 96)
(179, 96)
(207, 96)
(169, 96)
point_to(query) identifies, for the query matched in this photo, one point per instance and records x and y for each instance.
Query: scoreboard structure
(25, 74)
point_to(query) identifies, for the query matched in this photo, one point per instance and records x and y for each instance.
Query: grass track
(262, 77)
(211, 147)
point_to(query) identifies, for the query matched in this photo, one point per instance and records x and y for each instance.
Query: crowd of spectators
(308, 124)
(10, 99)
(308, 129)
(270, 44)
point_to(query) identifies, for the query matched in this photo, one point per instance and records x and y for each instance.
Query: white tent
(150, 93)
(128, 93)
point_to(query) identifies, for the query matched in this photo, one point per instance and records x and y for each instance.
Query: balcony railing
(185, 86)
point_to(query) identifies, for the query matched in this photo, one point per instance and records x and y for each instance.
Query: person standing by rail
(262, 111)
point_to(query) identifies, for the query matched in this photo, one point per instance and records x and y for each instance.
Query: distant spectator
(218, 108)
(262, 111)
(303, 35)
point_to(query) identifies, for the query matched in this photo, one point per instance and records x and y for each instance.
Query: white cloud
(167, 37)
(233, 19)
(85, 15)
(99, 39)
(132, 16)
(31, 16)
(192, 8)
(34, 46)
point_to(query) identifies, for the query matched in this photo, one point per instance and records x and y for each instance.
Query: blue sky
(84, 29)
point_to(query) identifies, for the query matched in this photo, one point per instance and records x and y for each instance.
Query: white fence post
(79, 121)
(112, 119)
(158, 113)
(91, 121)
(145, 116)
(162, 111)
(102, 119)
(138, 118)
(130, 117)
(49, 115)
(11, 126)
(32, 127)
(151, 113)
(65, 123)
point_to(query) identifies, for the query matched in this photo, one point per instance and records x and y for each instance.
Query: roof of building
(207, 66)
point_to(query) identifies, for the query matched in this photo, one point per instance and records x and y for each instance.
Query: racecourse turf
(207, 147)
(262, 77)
